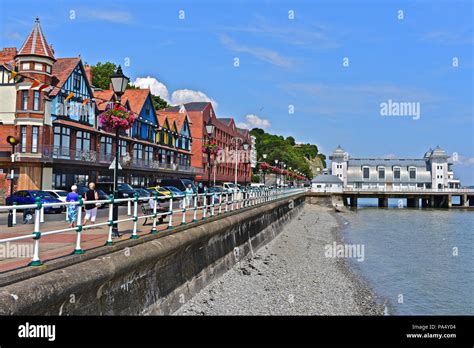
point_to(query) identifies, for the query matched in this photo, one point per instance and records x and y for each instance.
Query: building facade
(433, 171)
(223, 167)
(49, 104)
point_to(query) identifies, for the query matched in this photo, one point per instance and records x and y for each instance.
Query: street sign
(112, 165)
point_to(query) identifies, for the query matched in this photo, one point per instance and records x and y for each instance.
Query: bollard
(37, 234)
(78, 249)
(111, 221)
(135, 216)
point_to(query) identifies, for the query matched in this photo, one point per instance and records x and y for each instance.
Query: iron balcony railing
(52, 153)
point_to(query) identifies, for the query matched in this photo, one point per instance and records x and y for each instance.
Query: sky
(324, 72)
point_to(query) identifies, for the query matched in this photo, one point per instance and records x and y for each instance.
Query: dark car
(124, 190)
(180, 184)
(142, 192)
(174, 190)
(29, 197)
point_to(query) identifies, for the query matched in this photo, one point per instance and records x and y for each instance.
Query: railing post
(129, 208)
(232, 201)
(195, 208)
(78, 249)
(14, 214)
(42, 214)
(155, 199)
(183, 218)
(204, 208)
(37, 234)
(220, 203)
(135, 216)
(170, 224)
(226, 202)
(212, 204)
(111, 220)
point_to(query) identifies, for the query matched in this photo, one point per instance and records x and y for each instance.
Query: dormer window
(412, 173)
(381, 172)
(77, 82)
(396, 173)
(365, 172)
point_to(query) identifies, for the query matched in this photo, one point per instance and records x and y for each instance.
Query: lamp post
(276, 175)
(245, 146)
(236, 140)
(210, 133)
(13, 142)
(119, 85)
(264, 158)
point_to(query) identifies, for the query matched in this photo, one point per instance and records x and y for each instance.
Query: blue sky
(286, 62)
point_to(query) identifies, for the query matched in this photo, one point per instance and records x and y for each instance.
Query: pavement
(62, 244)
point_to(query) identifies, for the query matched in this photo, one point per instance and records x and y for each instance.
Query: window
(138, 151)
(412, 172)
(36, 100)
(26, 66)
(123, 147)
(62, 141)
(39, 66)
(381, 173)
(83, 145)
(77, 82)
(396, 173)
(105, 146)
(24, 100)
(365, 171)
(34, 138)
(23, 139)
(148, 154)
(48, 68)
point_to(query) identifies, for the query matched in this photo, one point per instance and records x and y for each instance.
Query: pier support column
(413, 202)
(383, 202)
(432, 201)
(464, 200)
(354, 201)
(449, 201)
(425, 202)
(471, 201)
(346, 201)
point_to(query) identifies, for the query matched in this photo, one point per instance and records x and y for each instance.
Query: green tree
(159, 103)
(101, 74)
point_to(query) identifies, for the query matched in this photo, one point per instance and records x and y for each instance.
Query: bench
(146, 210)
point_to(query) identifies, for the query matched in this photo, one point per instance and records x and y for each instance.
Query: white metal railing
(407, 190)
(211, 204)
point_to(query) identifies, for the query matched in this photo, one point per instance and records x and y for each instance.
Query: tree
(101, 74)
(291, 141)
(159, 103)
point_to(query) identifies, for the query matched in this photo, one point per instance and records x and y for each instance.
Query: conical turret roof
(36, 44)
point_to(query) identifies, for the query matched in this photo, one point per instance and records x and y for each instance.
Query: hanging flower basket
(117, 117)
(264, 166)
(212, 147)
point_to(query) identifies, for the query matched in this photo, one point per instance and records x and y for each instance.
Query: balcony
(57, 153)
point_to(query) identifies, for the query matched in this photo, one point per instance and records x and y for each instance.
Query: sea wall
(151, 275)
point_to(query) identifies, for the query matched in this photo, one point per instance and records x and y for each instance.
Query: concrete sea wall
(151, 275)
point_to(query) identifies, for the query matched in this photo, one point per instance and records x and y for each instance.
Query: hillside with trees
(303, 157)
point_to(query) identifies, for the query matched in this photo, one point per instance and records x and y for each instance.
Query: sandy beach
(290, 276)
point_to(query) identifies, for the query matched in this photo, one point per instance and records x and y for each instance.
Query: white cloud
(261, 53)
(156, 87)
(182, 96)
(253, 121)
(108, 15)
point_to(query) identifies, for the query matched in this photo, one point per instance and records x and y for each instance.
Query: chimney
(88, 70)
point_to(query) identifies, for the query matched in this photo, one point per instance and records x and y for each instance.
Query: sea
(418, 261)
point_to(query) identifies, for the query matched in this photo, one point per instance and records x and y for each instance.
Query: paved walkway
(62, 244)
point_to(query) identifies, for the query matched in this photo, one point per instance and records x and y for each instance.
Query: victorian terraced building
(432, 171)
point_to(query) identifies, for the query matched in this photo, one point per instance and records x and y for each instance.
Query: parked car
(124, 190)
(29, 197)
(174, 190)
(180, 184)
(142, 192)
(59, 194)
(161, 190)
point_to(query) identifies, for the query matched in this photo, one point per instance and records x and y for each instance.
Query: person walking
(91, 208)
(72, 208)
(189, 195)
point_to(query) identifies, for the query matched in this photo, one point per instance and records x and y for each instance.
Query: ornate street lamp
(119, 85)
(210, 133)
(13, 142)
(264, 158)
(245, 146)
